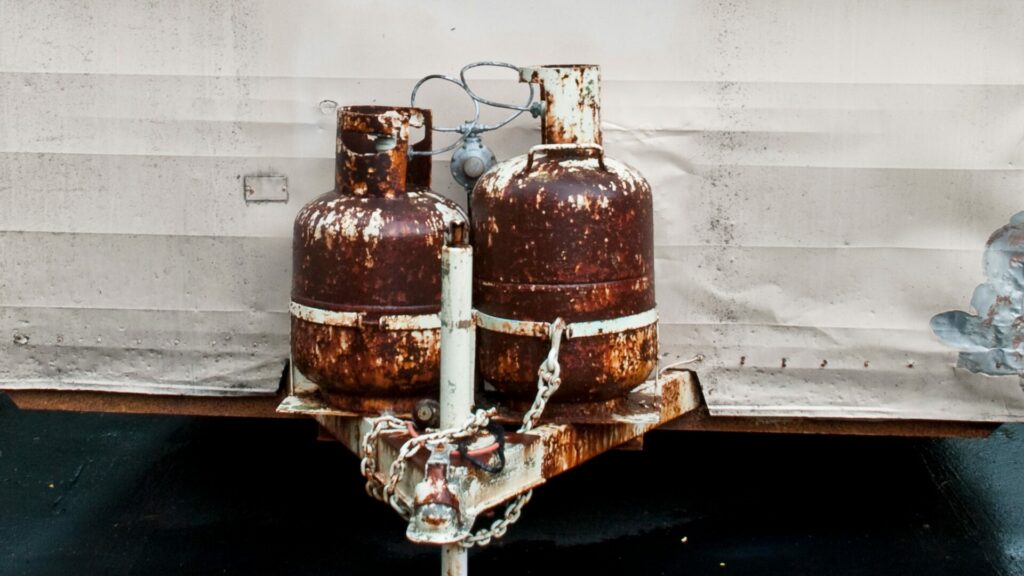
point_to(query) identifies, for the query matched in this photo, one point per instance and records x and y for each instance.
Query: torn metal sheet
(993, 337)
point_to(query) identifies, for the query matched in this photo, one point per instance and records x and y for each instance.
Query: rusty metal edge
(696, 421)
(701, 421)
(118, 403)
(532, 458)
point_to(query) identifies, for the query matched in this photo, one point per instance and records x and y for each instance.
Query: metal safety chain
(548, 380)
(386, 491)
(499, 527)
(549, 377)
(368, 465)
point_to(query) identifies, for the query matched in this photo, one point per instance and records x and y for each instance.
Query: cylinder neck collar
(372, 156)
(572, 102)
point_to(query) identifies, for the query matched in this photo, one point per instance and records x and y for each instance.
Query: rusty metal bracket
(531, 459)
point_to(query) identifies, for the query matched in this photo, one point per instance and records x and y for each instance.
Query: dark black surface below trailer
(128, 494)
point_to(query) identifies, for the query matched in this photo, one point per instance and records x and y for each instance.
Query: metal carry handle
(392, 121)
(418, 171)
(592, 150)
(372, 149)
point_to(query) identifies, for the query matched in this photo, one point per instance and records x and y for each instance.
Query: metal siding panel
(146, 272)
(826, 174)
(151, 195)
(187, 352)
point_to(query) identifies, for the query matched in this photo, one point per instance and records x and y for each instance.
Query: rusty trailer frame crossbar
(559, 444)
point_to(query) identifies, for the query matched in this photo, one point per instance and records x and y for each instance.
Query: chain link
(499, 527)
(368, 465)
(548, 380)
(387, 491)
(549, 377)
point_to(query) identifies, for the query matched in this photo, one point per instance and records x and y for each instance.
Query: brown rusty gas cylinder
(565, 232)
(366, 289)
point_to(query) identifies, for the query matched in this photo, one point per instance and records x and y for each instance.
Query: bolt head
(427, 414)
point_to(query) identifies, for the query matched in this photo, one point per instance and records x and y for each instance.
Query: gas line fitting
(471, 157)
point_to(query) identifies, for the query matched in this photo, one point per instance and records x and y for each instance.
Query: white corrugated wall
(826, 174)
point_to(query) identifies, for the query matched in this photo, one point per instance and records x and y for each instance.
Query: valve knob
(473, 166)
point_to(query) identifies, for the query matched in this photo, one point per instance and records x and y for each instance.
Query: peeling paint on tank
(580, 164)
(371, 248)
(450, 214)
(374, 225)
(571, 102)
(501, 176)
(348, 223)
(565, 232)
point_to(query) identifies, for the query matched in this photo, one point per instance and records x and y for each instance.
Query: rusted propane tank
(565, 232)
(366, 288)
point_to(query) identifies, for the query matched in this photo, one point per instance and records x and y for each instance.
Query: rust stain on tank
(565, 232)
(353, 356)
(572, 105)
(372, 247)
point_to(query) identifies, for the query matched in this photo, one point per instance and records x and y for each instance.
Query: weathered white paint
(572, 330)
(458, 336)
(571, 96)
(326, 317)
(454, 560)
(458, 368)
(826, 173)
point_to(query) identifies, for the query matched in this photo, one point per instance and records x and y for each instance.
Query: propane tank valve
(473, 167)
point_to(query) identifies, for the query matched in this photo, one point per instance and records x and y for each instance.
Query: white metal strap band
(355, 319)
(574, 330)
